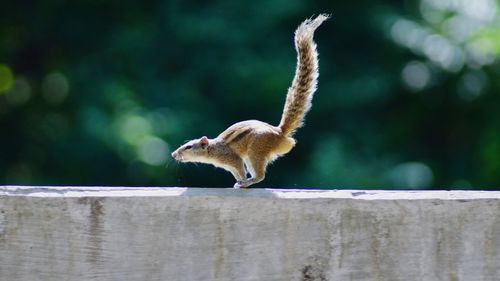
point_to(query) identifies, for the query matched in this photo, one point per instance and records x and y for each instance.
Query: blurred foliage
(100, 92)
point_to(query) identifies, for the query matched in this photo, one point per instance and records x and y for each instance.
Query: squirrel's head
(192, 151)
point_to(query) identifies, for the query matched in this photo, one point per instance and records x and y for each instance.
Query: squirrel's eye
(188, 147)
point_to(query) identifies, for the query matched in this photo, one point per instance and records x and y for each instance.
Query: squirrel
(247, 147)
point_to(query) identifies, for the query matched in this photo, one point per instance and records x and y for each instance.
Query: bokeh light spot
(483, 10)
(6, 78)
(134, 128)
(415, 175)
(153, 151)
(416, 75)
(479, 53)
(19, 93)
(471, 85)
(55, 88)
(409, 34)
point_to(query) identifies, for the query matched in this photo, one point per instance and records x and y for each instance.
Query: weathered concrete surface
(80, 233)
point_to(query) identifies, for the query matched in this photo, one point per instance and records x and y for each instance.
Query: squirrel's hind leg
(256, 166)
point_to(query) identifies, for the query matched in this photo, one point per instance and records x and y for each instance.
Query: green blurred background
(100, 92)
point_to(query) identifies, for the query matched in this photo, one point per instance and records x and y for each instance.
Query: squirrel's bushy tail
(298, 99)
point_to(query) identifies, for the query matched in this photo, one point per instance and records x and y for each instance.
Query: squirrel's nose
(174, 155)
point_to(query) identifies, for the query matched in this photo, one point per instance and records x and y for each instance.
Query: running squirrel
(248, 147)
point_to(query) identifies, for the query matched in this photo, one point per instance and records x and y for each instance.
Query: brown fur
(249, 146)
(300, 94)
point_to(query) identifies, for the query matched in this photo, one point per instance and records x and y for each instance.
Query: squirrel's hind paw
(240, 184)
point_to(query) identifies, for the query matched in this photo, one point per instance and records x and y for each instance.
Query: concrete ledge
(118, 233)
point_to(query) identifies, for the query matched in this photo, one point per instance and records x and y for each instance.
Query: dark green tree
(98, 93)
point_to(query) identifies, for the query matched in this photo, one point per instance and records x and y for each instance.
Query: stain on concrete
(95, 229)
(3, 224)
(311, 273)
(315, 269)
(355, 194)
(365, 231)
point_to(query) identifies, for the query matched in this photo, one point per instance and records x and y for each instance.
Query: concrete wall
(80, 233)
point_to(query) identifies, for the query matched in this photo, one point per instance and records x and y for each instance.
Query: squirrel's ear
(204, 141)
